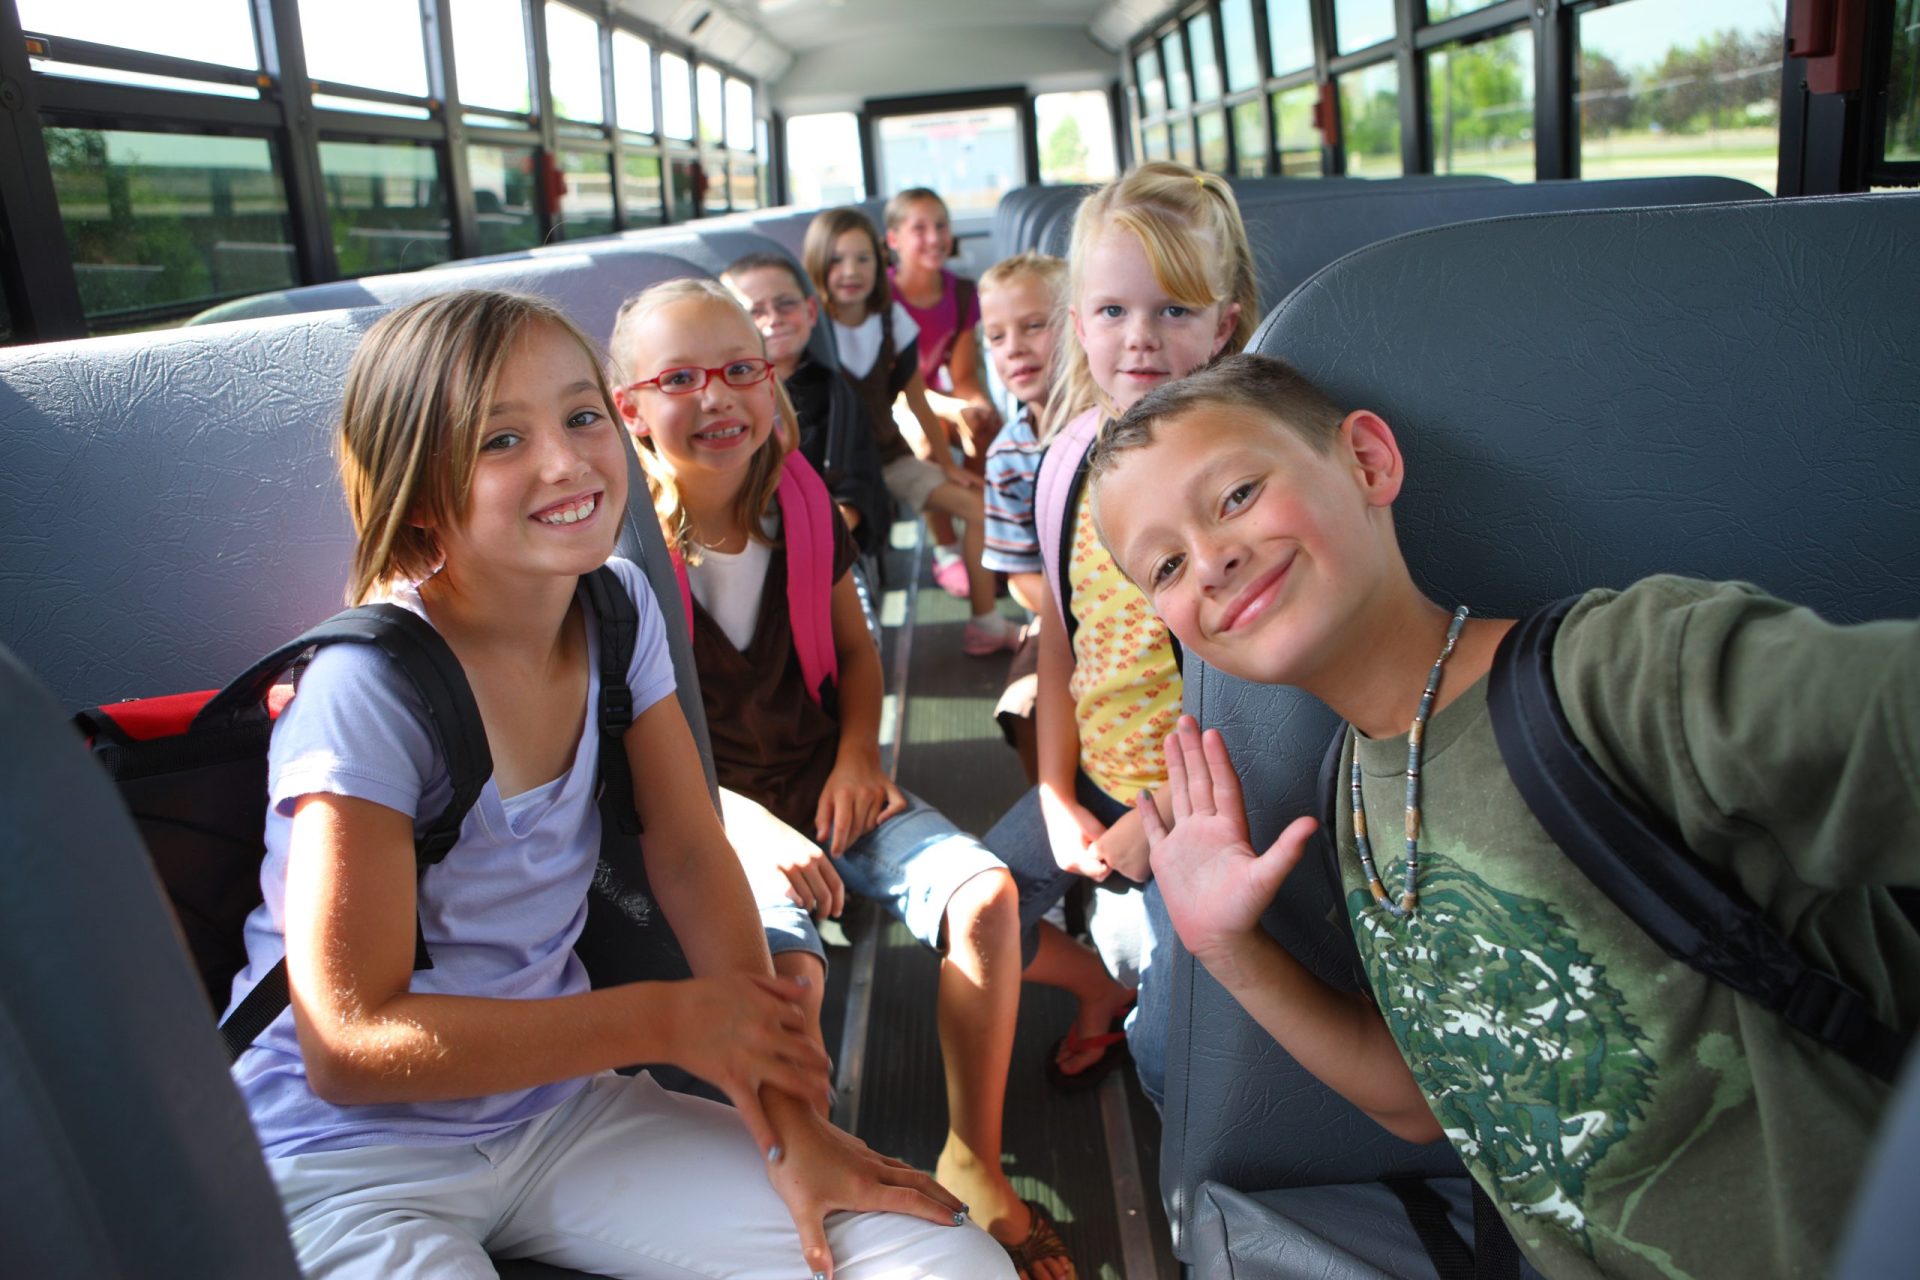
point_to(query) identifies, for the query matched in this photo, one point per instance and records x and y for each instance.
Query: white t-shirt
(860, 346)
(729, 585)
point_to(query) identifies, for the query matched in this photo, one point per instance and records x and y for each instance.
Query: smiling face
(852, 269)
(1260, 551)
(1016, 319)
(706, 437)
(550, 482)
(781, 311)
(923, 237)
(1135, 336)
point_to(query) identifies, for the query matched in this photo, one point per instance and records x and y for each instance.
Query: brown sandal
(1042, 1243)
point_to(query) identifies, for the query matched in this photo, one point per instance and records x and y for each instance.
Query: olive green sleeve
(1742, 718)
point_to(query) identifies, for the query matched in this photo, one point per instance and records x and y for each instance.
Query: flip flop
(1113, 1040)
(1042, 1243)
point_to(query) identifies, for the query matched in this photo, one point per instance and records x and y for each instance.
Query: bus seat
(1583, 398)
(589, 284)
(1052, 229)
(1883, 1235)
(1293, 238)
(1299, 228)
(789, 226)
(127, 1149)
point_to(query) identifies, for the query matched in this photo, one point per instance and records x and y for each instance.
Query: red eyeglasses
(689, 379)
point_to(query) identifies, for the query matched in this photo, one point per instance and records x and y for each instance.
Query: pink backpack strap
(806, 520)
(1053, 490)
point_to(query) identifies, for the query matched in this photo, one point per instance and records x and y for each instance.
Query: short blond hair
(415, 406)
(1031, 265)
(763, 473)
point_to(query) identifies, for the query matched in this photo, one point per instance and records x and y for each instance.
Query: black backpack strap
(424, 658)
(1495, 1255)
(1640, 862)
(619, 623)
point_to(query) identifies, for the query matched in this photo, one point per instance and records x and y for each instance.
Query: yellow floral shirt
(1126, 684)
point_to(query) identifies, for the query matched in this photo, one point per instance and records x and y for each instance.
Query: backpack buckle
(616, 709)
(1825, 1008)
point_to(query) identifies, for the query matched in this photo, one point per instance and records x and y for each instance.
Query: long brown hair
(415, 406)
(817, 255)
(1190, 227)
(763, 472)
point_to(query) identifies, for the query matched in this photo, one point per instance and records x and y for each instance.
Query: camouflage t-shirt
(1628, 1116)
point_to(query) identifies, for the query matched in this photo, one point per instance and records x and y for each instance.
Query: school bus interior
(1577, 255)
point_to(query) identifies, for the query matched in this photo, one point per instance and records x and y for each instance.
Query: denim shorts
(913, 863)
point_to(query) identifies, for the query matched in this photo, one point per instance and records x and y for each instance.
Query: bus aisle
(1090, 1159)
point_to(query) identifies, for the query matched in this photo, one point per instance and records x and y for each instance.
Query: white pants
(623, 1180)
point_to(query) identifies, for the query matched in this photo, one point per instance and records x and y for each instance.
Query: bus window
(503, 197)
(1243, 56)
(1289, 35)
(676, 97)
(1671, 89)
(387, 206)
(490, 55)
(573, 63)
(162, 224)
(823, 160)
(641, 189)
(1076, 136)
(1250, 140)
(221, 31)
(971, 156)
(368, 43)
(1361, 23)
(586, 207)
(1370, 120)
(1480, 104)
(1296, 137)
(1902, 143)
(632, 82)
(1206, 68)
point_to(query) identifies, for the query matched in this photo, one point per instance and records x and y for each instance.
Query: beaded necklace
(1409, 887)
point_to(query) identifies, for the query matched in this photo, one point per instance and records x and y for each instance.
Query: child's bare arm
(858, 795)
(1216, 888)
(935, 429)
(1071, 828)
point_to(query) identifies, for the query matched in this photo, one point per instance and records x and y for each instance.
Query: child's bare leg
(979, 999)
(1059, 961)
(965, 504)
(940, 525)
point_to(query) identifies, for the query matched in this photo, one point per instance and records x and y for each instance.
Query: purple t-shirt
(940, 324)
(500, 913)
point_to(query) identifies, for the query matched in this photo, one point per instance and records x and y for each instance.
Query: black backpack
(1644, 866)
(192, 769)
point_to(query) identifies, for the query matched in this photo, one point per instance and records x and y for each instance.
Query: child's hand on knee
(1073, 833)
(1124, 848)
(824, 1170)
(857, 797)
(1214, 884)
(813, 883)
